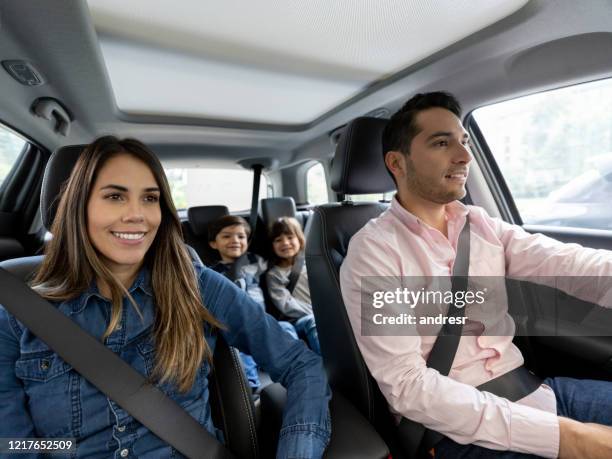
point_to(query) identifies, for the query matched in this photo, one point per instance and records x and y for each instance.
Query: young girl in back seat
(291, 296)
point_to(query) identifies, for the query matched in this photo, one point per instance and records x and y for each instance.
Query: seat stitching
(327, 258)
(222, 409)
(249, 414)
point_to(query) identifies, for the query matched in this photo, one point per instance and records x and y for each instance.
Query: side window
(554, 150)
(373, 197)
(316, 185)
(11, 147)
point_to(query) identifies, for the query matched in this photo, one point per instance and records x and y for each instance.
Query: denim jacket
(42, 396)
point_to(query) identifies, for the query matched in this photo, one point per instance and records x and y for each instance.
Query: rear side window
(383, 197)
(200, 187)
(316, 185)
(554, 150)
(11, 147)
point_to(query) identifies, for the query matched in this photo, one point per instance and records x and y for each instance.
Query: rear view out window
(554, 150)
(316, 185)
(372, 197)
(202, 187)
(11, 147)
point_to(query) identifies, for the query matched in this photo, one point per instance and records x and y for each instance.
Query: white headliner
(272, 62)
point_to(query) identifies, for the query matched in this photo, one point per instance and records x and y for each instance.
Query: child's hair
(225, 221)
(289, 226)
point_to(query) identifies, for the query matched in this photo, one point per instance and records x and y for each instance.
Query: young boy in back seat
(229, 236)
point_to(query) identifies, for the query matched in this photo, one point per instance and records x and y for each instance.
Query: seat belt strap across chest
(445, 348)
(512, 385)
(257, 168)
(235, 270)
(296, 270)
(413, 435)
(108, 372)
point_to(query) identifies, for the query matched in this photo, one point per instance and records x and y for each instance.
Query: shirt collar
(454, 211)
(142, 282)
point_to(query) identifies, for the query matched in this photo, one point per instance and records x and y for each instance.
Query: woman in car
(117, 265)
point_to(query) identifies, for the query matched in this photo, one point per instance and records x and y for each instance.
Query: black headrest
(202, 216)
(358, 166)
(275, 208)
(56, 173)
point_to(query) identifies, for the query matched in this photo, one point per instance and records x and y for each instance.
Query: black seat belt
(108, 372)
(296, 270)
(257, 168)
(234, 272)
(413, 434)
(513, 385)
(444, 349)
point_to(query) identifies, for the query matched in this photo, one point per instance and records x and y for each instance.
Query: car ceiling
(543, 44)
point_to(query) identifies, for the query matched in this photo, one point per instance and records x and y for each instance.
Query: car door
(546, 158)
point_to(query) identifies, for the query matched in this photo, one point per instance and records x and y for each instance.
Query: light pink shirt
(399, 244)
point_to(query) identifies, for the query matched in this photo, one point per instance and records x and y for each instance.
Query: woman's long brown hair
(72, 263)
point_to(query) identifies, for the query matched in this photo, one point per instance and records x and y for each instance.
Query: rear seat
(195, 230)
(274, 208)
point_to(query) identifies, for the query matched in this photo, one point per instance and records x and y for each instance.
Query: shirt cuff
(534, 431)
(302, 441)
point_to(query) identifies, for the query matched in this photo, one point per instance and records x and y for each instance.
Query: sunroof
(266, 61)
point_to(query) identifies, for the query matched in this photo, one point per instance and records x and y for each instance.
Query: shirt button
(124, 452)
(118, 327)
(121, 428)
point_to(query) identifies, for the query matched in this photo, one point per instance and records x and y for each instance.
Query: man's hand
(580, 440)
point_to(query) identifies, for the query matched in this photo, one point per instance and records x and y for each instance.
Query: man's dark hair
(402, 127)
(225, 221)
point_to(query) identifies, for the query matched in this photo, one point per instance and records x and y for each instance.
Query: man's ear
(213, 244)
(396, 163)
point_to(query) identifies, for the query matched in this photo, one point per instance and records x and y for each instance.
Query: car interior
(302, 93)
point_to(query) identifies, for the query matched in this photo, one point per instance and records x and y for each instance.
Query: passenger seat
(357, 168)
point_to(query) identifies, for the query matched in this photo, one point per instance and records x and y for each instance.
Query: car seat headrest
(57, 172)
(200, 217)
(275, 208)
(358, 166)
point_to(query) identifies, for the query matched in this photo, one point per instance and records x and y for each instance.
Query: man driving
(426, 150)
